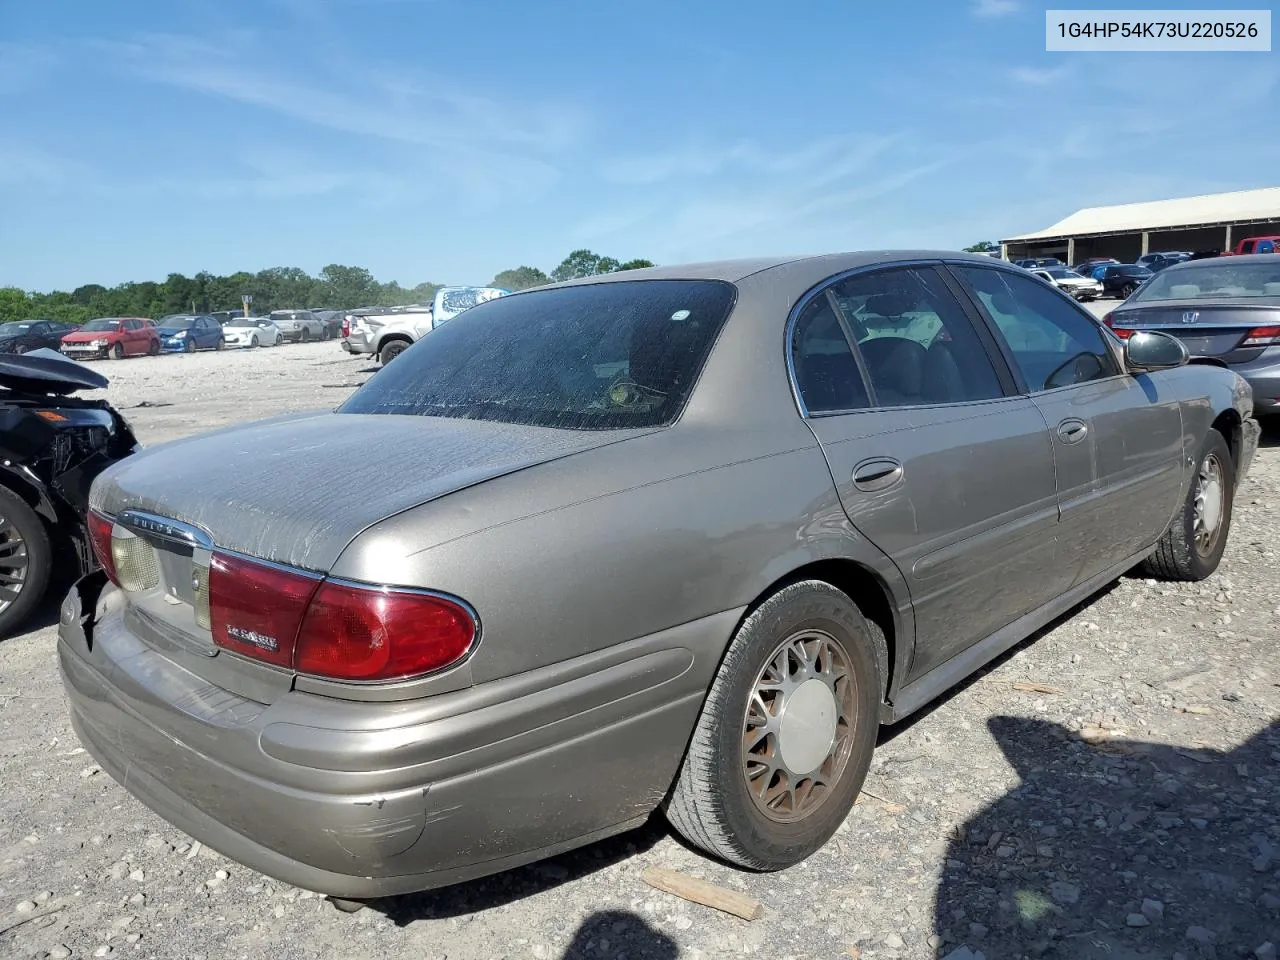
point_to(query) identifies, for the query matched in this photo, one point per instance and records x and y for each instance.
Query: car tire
(116, 352)
(253, 341)
(304, 336)
(1126, 291)
(153, 348)
(18, 519)
(1192, 547)
(222, 344)
(189, 346)
(721, 801)
(391, 350)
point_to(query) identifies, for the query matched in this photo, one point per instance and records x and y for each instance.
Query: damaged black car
(52, 446)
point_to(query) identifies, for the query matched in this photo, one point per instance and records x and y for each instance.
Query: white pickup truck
(388, 332)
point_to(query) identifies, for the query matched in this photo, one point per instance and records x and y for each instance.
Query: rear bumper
(1263, 375)
(363, 800)
(357, 342)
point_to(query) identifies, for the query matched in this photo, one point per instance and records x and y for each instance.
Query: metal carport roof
(1207, 210)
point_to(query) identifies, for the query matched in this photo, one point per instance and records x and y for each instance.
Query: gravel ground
(1109, 789)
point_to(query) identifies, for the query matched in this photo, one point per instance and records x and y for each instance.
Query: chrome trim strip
(139, 521)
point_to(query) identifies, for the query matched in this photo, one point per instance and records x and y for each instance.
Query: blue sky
(446, 140)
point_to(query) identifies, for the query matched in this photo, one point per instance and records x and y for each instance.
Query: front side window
(1052, 343)
(605, 356)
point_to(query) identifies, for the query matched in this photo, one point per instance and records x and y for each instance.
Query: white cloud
(991, 9)
(1040, 77)
(492, 150)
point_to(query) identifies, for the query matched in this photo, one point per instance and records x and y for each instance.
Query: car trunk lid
(292, 491)
(1207, 329)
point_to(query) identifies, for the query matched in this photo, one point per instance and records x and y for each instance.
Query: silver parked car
(299, 326)
(679, 538)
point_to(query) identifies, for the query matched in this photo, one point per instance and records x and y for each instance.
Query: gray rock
(25, 906)
(1153, 910)
(1262, 864)
(221, 874)
(1004, 852)
(1136, 920)
(1266, 951)
(1202, 935)
(137, 876)
(964, 953)
(60, 952)
(119, 871)
(977, 930)
(103, 951)
(683, 923)
(1063, 893)
(894, 942)
(44, 896)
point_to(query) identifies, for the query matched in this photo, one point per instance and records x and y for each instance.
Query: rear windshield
(1215, 279)
(607, 356)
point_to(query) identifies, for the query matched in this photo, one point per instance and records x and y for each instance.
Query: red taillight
(344, 631)
(346, 326)
(256, 608)
(100, 540)
(1261, 337)
(354, 632)
(1124, 333)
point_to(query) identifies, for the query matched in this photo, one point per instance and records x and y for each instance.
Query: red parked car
(114, 337)
(1257, 245)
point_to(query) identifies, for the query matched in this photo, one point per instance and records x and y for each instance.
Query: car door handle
(1073, 430)
(879, 474)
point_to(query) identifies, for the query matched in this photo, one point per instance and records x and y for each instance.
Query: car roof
(735, 270)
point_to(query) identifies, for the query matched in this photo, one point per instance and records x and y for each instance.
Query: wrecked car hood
(46, 371)
(298, 489)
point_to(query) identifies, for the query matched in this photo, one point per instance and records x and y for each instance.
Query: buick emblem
(1191, 316)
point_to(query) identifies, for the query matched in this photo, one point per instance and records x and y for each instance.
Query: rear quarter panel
(619, 543)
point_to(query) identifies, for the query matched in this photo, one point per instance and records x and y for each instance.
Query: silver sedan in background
(681, 538)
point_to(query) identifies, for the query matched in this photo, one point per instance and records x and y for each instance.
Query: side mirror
(1147, 350)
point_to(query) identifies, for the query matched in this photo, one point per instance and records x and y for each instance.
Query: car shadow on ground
(889, 733)
(522, 882)
(1118, 848)
(1270, 432)
(617, 933)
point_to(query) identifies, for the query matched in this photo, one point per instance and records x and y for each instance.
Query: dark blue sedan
(187, 333)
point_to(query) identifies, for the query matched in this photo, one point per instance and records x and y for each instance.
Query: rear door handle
(878, 474)
(1072, 430)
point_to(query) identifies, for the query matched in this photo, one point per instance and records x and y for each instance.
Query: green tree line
(337, 287)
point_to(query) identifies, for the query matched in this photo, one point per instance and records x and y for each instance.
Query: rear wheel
(391, 350)
(786, 733)
(189, 345)
(1192, 547)
(117, 351)
(1126, 290)
(25, 560)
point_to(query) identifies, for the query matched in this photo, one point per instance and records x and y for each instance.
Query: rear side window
(916, 342)
(827, 375)
(606, 356)
(1052, 343)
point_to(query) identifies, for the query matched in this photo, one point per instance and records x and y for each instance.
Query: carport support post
(1226, 246)
(1146, 243)
(1071, 250)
